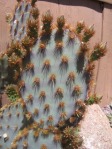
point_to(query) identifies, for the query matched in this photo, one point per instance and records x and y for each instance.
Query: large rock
(95, 129)
(108, 112)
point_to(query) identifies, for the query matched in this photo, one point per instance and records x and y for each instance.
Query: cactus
(11, 118)
(57, 81)
(41, 138)
(18, 23)
(33, 2)
(12, 92)
(80, 26)
(53, 69)
(47, 23)
(60, 23)
(98, 52)
(3, 71)
(93, 99)
(71, 138)
(88, 33)
(8, 17)
(32, 28)
(35, 13)
(18, 1)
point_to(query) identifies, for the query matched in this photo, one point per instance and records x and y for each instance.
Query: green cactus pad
(61, 71)
(18, 24)
(10, 123)
(40, 142)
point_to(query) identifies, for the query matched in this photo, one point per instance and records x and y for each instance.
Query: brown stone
(95, 129)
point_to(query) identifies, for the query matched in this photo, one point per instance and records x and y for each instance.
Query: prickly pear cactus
(54, 84)
(18, 23)
(11, 118)
(34, 138)
(12, 92)
(3, 71)
(52, 66)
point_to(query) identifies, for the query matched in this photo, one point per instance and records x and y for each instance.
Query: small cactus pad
(11, 119)
(18, 23)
